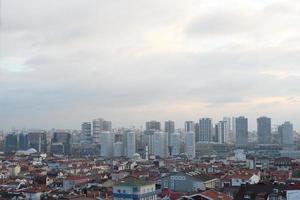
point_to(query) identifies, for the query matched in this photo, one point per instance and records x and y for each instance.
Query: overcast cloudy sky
(63, 62)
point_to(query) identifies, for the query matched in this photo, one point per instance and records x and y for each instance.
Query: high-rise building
(205, 130)
(221, 132)
(241, 130)
(160, 144)
(97, 126)
(107, 125)
(106, 142)
(153, 125)
(175, 144)
(169, 129)
(169, 126)
(61, 139)
(197, 132)
(190, 145)
(233, 136)
(286, 132)
(129, 144)
(264, 130)
(228, 130)
(11, 143)
(86, 132)
(23, 141)
(189, 126)
(100, 125)
(118, 149)
(38, 141)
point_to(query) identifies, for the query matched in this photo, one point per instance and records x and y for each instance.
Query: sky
(63, 62)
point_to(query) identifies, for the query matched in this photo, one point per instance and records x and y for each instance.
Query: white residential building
(190, 145)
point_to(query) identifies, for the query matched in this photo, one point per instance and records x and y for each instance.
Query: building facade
(264, 130)
(241, 130)
(205, 130)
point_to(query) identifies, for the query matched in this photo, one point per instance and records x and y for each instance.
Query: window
(166, 183)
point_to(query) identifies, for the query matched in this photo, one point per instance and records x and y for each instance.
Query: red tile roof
(215, 195)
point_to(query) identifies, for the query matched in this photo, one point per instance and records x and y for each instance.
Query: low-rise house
(134, 188)
(262, 191)
(14, 170)
(188, 181)
(35, 193)
(237, 178)
(208, 195)
(72, 181)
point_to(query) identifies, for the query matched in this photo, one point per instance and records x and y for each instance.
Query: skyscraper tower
(241, 130)
(169, 129)
(129, 144)
(153, 125)
(221, 132)
(86, 132)
(160, 141)
(100, 125)
(175, 143)
(264, 130)
(106, 141)
(190, 146)
(286, 133)
(205, 130)
(11, 143)
(189, 126)
(228, 130)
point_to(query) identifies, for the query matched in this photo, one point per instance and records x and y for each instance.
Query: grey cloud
(222, 23)
(109, 59)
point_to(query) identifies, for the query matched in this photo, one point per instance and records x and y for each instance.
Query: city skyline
(65, 62)
(92, 126)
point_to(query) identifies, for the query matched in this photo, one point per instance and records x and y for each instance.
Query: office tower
(205, 130)
(107, 125)
(147, 140)
(11, 143)
(160, 144)
(100, 125)
(97, 126)
(38, 141)
(220, 132)
(106, 142)
(190, 145)
(129, 144)
(175, 144)
(119, 137)
(86, 132)
(23, 141)
(153, 125)
(169, 129)
(215, 135)
(264, 130)
(197, 132)
(228, 130)
(286, 134)
(241, 130)
(118, 149)
(169, 126)
(189, 126)
(61, 143)
(233, 130)
(76, 137)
